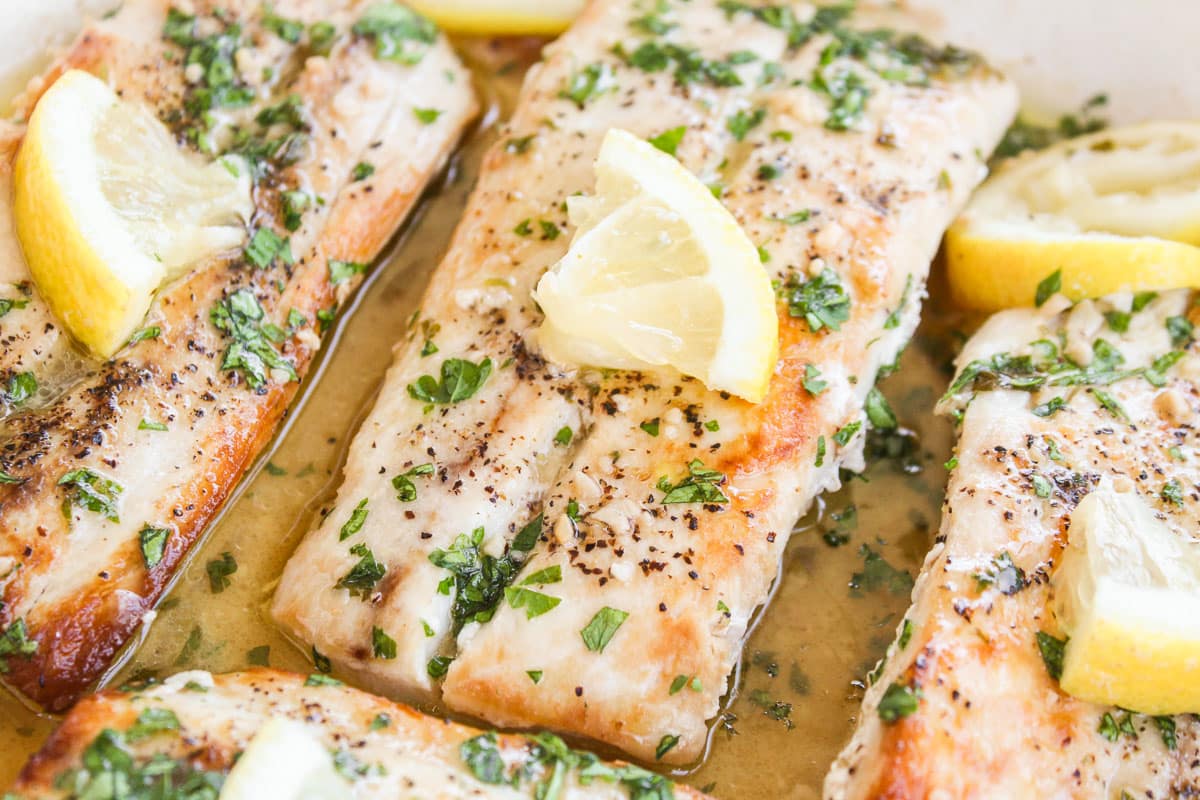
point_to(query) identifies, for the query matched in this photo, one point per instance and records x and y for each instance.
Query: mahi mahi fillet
(190, 730)
(113, 470)
(990, 721)
(481, 459)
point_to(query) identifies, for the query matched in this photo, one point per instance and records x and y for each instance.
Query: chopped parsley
(1050, 407)
(1048, 287)
(438, 666)
(150, 425)
(879, 413)
(564, 435)
(265, 246)
(546, 762)
(21, 387)
(240, 316)
(1166, 729)
(651, 426)
(664, 746)
(361, 579)
(535, 675)
(219, 570)
(399, 33)
(479, 579)
(362, 170)
(153, 542)
(898, 701)
(382, 645)
(287, 29)
(320, 679)
(1052, 650)
(1002, 574)
(702, 485)
(1180, 329)
(357, 517)
(406, 490)
(603, 626)
(92, 491)
(741, 123)
(1025, 135)
(1172, 492)
(1112, 728)
(380, 722)
(108, 768)
(1042, 486)
(844, 434)
(427, 116)
(15, 641)
(342, 271)
(822, 301)
(460, 379)
(877, 574)
(535, 603)
(588, 83)
(668, 141)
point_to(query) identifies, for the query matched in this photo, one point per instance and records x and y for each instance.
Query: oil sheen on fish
(502, 519)
(112, 471)
(988, 719)
(192, 728)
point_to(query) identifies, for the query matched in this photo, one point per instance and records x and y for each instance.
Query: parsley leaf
(357, 517)
(406, 490)
(460, 379)
(898, 701)
(382, 645)
(822, 301)
(1048, 287)
(153, 542)
(1052, 649)
(395, 29)
(361, 579)
(700, 486)
(92, 491)
(219, 570)
(240, 316)
(668, 141)
(603, 626)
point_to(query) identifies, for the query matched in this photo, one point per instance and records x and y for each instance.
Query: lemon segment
(286, 762)
(1128, 595)
(1117, 210)
(501, 17)
(659, 274)
(107, 208)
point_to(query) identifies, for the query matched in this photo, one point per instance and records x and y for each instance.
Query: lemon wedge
(107, 208)
(659, 274)
(1127, 593)
(286, 762)
(1117, 210)
(501, 17)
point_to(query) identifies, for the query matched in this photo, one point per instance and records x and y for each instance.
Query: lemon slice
(496, 17)
(1116, 211)
(1128, 595)
(108, 208)
(286, 762)
(658, 274)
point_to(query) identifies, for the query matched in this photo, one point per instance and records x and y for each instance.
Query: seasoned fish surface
(583, 550)
(112, 471)
(200, 723)
(988, 719)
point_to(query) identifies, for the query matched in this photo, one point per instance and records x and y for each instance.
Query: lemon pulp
(1117, 210)
(107, 208)
(659, 274)
(1127, 593)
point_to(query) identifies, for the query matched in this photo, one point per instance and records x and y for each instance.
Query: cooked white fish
(190, 730)
(141, 452)
(646, 514)
(965, 705)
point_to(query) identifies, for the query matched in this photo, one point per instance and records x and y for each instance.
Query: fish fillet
(157, 438)
(628, 614)
(200, 724)
(990, 721)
